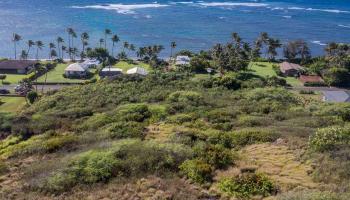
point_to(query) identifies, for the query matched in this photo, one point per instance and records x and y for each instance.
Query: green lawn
(265, 69)
(126, 66)
(56, 75)
(11, 104)
(14, 78)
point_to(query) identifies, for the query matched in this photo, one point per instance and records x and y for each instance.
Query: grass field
(265, 69)
(15, 78)
(11, 104)
(56, 75)
(126, 66)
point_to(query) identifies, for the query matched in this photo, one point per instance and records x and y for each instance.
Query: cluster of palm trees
(60, 48)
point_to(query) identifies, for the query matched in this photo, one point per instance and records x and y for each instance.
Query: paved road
(40, 87)
(318, 88)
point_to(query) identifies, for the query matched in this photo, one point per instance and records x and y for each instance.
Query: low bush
(3, 168)
(119, 130)
(248, 185)
(180, 118)
(248, 137)
(123, 158)
(186, 97)
(252, 121)
(133, 112)
(197, 170)
(215, 155)
(330, 138)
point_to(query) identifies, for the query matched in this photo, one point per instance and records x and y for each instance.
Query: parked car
(4, 91)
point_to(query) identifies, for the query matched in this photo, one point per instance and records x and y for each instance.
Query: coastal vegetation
(233, 132)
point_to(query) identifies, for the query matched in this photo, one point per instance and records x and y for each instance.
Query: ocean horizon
(193, 25)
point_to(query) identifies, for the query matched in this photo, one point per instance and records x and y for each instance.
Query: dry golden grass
(278, 162)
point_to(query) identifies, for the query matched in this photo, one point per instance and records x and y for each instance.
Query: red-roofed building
(311, 79)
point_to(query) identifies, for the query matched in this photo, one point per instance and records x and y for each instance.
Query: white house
(182, 60)
(90, 63)
(110, 72)
(75, 70)
(137, 70)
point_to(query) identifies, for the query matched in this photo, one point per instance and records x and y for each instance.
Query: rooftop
(76, 67)
(310, 79)
(107, 69)
(137, 70)
(288, 66)
(336, 96)
(16, 64)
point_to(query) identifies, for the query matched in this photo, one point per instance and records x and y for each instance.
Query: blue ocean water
(194, 25)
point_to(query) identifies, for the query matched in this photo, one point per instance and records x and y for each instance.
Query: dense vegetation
(172, 125)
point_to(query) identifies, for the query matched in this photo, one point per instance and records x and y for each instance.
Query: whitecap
(319, 43)
(287, 16)
(123, 8)
(231, 4)
(320, 10)
(344, 26)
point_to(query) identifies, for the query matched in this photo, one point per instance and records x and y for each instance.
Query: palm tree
(24, 55)
(115, 39)
(39, 45)
(15, 39)
(107, 32)
(237, 39)
(273, 44)
(64, 49)
(51, 47)
(101, 41)
(30, 44)
(172, 47)
(71, 34)
(59, 41)
(125, 46)
(132, 47)
(84, 39)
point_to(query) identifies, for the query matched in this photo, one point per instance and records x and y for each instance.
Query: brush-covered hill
(172, 136)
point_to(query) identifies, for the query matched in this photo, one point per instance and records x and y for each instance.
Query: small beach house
(16, 66)
(336, 96)
(76, 70)
(290, 69)
(110, 72)
(182, 60)
(137, 71)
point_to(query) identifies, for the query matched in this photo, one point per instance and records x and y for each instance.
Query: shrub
(228, 81)
(252, 121)
(187, 97)
(247, 185)
(197, 170)
(123, 158)
(248, 137)
(32, 96)
(330, 138)
(133, 112)
(215, 155)
(180, 118)
(129, 129)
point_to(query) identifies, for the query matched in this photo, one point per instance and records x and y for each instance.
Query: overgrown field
(134, 138)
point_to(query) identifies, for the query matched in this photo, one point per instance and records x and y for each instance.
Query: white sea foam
(344, 26)
(232, 4)
(123, 8)
(287, 16)
(319, 43)
(320, 10)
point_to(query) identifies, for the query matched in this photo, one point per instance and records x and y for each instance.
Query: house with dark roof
(290, 69)
(16, 66)
(336, 96)
(311, 80)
